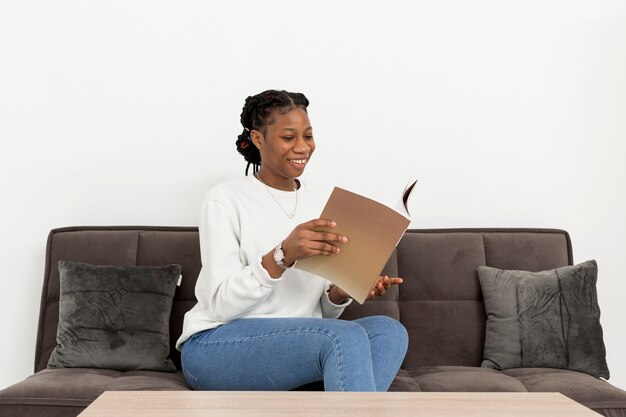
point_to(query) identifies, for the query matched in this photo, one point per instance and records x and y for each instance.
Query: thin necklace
(295, 189)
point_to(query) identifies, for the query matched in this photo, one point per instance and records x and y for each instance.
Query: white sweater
(241, 222)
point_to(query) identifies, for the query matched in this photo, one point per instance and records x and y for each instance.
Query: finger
(328, 237)
(317, 252)
(377, 283)
(391, 281)
(312, 224)
(325, 248)
(386, 281)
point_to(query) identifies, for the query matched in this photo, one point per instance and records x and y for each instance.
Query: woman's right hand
(305, 241)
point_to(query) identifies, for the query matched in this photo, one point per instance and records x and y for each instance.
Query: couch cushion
(592, 392)
(543, 319)
(463, 379)
(530, 250)
(54, 392)
(440, 266)
(404, 382)
(444, 332)
(115, 317)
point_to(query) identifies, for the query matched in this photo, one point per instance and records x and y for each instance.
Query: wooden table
(331, 404)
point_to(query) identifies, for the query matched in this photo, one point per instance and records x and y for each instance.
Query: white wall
(511, 114)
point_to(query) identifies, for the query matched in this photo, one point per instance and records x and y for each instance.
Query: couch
(440, 304)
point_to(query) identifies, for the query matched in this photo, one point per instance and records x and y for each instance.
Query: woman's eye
(308, 137)
(288, 137)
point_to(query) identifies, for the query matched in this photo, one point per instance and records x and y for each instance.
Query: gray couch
(440, 304)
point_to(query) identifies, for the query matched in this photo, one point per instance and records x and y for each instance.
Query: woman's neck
(284, 184)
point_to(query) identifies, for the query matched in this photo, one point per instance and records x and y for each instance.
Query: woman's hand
(381, 285)
(304, 241)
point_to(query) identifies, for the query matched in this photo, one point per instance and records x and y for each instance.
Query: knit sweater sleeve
(226, 287)
(329, 309)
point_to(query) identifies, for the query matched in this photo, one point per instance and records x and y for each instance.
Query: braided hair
(257, 115)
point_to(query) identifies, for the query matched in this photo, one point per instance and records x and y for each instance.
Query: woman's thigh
(278, 354)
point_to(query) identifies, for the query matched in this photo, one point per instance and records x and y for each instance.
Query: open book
(373, 230)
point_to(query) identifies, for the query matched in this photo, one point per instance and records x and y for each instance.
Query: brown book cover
(373, 230)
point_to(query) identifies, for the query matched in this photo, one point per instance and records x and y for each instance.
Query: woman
(261, 324)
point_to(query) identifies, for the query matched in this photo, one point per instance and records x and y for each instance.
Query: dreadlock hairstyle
(257, 115)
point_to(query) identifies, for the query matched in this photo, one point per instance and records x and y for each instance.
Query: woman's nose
(301, 145)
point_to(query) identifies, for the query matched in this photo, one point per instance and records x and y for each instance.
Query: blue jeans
(285, 353)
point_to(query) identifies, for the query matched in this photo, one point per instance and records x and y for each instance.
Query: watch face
(278, 254)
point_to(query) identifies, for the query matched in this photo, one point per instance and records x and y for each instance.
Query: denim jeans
(285, 353)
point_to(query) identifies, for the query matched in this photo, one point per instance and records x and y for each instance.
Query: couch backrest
(440, 302)
(124, 245)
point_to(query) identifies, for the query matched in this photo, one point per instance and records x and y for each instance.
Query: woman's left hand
(381, 285)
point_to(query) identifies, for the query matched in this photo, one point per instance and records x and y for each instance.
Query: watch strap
(279, 257)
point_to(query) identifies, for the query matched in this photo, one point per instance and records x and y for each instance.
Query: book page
(403, 203)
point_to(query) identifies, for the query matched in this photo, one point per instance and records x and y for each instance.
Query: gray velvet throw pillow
(547, 319)
(115, 317)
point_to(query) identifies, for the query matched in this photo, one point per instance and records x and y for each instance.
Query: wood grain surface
(336, 404)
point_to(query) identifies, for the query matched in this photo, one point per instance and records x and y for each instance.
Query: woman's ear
(255, 135)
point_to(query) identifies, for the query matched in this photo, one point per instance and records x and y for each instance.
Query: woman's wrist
(337, 296)
(269, 264)
(287, 261)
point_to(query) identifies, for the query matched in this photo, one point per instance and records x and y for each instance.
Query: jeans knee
(396, 327)
(345, 336)
(401, 335)
(387, 327)
(398, 332)
(351, 331)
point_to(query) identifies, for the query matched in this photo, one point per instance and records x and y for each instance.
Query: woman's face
(285, 149)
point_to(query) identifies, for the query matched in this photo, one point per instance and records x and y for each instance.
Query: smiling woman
(259, 323)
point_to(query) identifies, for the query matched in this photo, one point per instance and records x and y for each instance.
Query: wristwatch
(279, 257)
